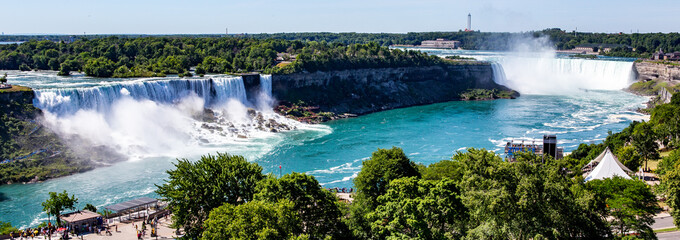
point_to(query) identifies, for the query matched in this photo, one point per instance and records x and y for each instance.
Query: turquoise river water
(579, 100)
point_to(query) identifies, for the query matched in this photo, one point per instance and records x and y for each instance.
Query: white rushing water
(161, 119)
(141, 119)
(549, 75)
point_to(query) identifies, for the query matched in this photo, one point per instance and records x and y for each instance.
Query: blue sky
(257, 16)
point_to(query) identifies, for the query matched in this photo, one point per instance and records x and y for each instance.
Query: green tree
(58, 202)
(90, 207)
(7, 228)
(252, 220)
(318, 209)
(629, 157)
(668, 163)
(630, 204)
(523, 199)
(372, 181)
(666, 120)
(3, 79)
(193, 189)
(670, 183)
(99, 67)
(376, 173)
(644, 142)
(420, 209)
(443, 169)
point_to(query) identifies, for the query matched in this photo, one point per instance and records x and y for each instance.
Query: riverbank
(331, 95)
(656, 80)
(31, 152)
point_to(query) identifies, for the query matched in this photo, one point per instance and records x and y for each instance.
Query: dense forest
(475, 195)
(644, 43)
(159, 56)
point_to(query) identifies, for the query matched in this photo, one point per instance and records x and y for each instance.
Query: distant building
(440, 43)
(549, 147)
(599, 47)
(469, 23)
(660, 55)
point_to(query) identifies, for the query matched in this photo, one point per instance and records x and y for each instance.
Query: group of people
(32, 232)
(340, 190)
(142, 232)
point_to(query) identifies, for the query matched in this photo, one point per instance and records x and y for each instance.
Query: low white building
(440, 43)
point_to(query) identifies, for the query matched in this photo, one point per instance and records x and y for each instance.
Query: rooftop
(134, 203)
(79, 216)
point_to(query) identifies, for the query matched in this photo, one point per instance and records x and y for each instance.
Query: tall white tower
(469, 26)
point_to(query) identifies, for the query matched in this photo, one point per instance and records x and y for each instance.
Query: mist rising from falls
(533, 67)
(550, 75)
(176, 117)
(213, 91)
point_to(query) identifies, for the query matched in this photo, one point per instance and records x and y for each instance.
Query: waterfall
(68, 101)
(550, 75)
(265, 101)
(141, 118)
(498, 73)
(266, 84)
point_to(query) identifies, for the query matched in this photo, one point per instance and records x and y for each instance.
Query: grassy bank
(16, 88)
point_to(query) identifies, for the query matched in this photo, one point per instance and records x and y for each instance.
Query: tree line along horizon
(152, 56)
(148, 56)
(474, 195)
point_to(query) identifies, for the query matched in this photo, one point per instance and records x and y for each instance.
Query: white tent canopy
(608, 167)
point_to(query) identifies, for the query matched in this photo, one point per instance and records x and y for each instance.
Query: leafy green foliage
(372, 181)
(419, 209)
(523, 199)
(90, 207)
(666, 121)
(57, 203)
(443, 169)
(323, 57)
(252, 220)
(629, 157)
(477, 195)
(669, 162)
(193, 189)
(630, 204)
(376, 173)
(316, 207)
(7, 228)
(644, 141)
(160, 56)
(669, 171)
(99, 67)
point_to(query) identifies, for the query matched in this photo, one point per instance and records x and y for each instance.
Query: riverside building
(440, 43)
(549, 147)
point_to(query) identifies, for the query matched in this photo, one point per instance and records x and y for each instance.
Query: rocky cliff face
(663, 72)
(369, 90)
(20, 97)
(657, 80)
(30, 152)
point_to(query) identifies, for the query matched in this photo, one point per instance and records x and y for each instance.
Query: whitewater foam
(141, 119)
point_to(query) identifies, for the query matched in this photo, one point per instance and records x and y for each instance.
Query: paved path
(663, 221)
(668, 235)
(127, 231)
